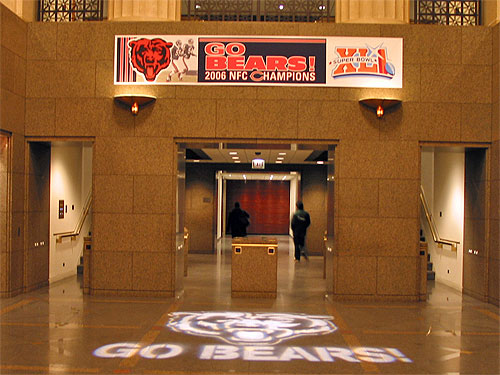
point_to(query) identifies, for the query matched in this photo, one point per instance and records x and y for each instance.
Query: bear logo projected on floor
(246, 328)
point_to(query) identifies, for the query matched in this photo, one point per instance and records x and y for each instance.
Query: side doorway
(58, 214)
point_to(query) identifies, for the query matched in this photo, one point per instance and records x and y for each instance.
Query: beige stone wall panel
(456, 83)
(395, 276)
(257, 119)
(37, 266)
(257, 28)
(13, 32)
(192, 92)
(357, 197)
(476, 123)
(111, 270)
(17, 197)
(476, 265)
(377, 236)
(427, 44)
(132, 232)
(152, 271)
(113, 232)
(12, 107)
(113, 194)
(474, 39)
(40, 117)
(68, 79)
(18, 155)
(292, 93)
(334, 29)
(42, 41)
(13, 72)
(16, 270)
(356, 275)
(177, 28)
(335, 120)
(76, 41)
(17, 234)
(494, 282)
(91, 117)
(180, 118)
(494, 240)
(133, 155)
(399, 198)
(365, 159)
(154, 194)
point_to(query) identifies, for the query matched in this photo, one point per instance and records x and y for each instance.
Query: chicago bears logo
(245, 328)
(150, 56)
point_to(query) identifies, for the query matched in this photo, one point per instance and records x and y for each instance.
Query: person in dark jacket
(300, 223)
(238, 221)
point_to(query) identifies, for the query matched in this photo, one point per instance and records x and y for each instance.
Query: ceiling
(290, 155)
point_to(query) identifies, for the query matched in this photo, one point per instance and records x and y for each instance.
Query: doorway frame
(50, 140)
(486, 146)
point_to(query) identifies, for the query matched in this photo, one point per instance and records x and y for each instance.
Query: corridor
(58, 330)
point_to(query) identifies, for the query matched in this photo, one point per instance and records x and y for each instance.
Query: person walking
(238, 221)
(300, 222)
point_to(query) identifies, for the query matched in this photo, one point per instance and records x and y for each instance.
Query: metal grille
(259, 10)
(70, 10)
(448, 12)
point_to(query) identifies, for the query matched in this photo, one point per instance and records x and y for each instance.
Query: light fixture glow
(380, 111)
(380, 105)
(134, 102)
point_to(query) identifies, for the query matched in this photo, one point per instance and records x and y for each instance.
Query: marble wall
(494, 238)
(447, 96)
(13, 44)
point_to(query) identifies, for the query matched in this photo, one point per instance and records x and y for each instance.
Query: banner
(263, 60)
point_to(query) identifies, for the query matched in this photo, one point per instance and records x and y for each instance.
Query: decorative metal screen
(259, 10)
(448, 12)
(70, 10)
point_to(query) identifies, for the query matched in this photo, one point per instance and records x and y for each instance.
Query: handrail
(81, 221)
(432, 224)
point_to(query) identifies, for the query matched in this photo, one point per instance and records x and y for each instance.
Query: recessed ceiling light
(279, 161)
(235, 157)
(280, 158)
(237, 161)
(320, 162)
(233, 153)
(282, 153)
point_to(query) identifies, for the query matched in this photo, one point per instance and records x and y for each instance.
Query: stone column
(144, 10)
(372, 11)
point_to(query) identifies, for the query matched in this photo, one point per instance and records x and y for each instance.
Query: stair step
(429, 266)
(431, 275)
(79, 269)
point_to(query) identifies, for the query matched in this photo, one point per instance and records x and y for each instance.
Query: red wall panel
(267, 202)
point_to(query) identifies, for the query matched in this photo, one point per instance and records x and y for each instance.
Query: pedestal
(254, 267)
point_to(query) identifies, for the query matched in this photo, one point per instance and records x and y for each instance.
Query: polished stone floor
(58, 330)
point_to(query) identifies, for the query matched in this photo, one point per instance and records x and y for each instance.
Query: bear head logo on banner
(150, 56)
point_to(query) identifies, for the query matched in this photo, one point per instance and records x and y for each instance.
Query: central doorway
(206, 169)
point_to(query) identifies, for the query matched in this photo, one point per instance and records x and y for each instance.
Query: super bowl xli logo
(251, 336)
(367, 60)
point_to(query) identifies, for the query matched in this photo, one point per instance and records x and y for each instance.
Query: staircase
(431, 275)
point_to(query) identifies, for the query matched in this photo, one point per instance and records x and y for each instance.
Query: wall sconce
(379, 106)
(134, 102)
